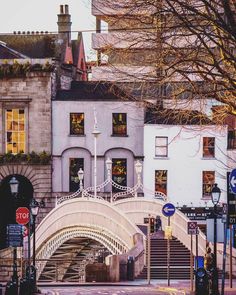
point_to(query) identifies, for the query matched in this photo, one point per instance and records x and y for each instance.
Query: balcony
(123, 40)
(123, 73)
(121, 7)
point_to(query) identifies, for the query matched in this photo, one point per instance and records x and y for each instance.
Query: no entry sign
(22, 215)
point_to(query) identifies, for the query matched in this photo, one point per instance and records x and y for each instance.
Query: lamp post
(95, 132)
(81, 177)
(109, 167)
(14, 185)
(215, 197)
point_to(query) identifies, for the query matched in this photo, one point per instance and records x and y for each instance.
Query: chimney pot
(66, 9)
(61, 9)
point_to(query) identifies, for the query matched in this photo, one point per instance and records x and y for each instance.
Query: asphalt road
(110, 290)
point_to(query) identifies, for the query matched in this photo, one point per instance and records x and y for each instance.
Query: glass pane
(119, 125)
(161, 141)
(21, 125)
(9, 148)
(9, 115)
(9, 137)
(21, 147)
(9, 125)
(161, 151)
(208, 182)
(21, 136)
(14, 136)
(161, 181)
(15, 114)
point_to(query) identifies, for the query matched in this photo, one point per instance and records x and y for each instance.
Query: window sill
(77, 135)
(161, 158)
(208, 158)
(119, 135)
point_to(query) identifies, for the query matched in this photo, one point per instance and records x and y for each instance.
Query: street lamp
(215, 197)
(34, 209)
(109, 167)
(14, 185)
(138, 169)
(81, 177)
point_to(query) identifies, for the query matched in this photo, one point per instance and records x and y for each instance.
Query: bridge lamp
(138, 168)
(81, 177)
(215, 197)
(109, 167)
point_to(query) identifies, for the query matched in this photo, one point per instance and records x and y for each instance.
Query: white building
(184, 161)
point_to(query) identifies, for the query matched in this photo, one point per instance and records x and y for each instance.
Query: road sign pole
(149, 252)
(191, 264)
(196, 248)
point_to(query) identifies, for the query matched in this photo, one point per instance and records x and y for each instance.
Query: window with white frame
(161, 181)
(208, 147)
(161, 146)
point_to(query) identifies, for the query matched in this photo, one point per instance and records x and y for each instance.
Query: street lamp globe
(14, 184)
(34, 207)
(81, 174)
(109, 165)
(138, 167)
(215, 194)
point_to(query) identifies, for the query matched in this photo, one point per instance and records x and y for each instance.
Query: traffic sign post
(231, 198)
(232, 180)
(14, 235)
(168, 210)
(22, 215)
(192, 228)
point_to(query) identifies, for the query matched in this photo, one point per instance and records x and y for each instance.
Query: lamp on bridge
(14, 185)
(109, 167)
(215, 197)
(81, 177)
(138, 168)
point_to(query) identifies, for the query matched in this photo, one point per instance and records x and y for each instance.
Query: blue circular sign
(232, 180)
(168, 210)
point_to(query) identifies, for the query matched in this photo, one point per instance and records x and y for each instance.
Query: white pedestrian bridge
(113, 224)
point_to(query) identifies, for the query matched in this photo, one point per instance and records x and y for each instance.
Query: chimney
(64, 24)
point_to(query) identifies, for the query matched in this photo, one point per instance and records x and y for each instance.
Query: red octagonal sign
(22, 215)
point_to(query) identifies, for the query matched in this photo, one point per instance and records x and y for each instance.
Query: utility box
(130, 268)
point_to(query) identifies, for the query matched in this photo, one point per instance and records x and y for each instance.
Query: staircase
(179, 259)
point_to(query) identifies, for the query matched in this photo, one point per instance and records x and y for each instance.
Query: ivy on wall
(32, 158)
(21, 69)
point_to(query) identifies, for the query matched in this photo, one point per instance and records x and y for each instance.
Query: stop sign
(22, 215)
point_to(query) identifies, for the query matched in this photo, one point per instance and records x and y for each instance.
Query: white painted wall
(185, 162)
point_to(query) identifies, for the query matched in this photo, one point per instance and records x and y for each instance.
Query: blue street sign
(168, 209)
(232, 180)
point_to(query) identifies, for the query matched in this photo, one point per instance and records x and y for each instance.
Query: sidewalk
(174, 284)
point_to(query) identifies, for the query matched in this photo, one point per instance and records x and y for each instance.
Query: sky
(41, 15)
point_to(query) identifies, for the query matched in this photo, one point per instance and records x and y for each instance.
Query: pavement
(159, 284)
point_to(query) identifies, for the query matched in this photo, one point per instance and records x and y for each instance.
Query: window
(119, 172)
(161, 146)
(77, 123)
(208, 147)
(208, 180)
(161, 181)
(15, 130)
(232, 139)
(75, 165)
(119, 124)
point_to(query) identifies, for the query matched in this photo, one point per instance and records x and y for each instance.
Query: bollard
(130, 268)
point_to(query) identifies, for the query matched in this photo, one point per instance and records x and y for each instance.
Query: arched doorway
(9, 203)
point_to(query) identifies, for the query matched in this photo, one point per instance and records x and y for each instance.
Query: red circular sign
(22, 215)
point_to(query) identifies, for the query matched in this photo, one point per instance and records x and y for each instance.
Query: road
(110, 290)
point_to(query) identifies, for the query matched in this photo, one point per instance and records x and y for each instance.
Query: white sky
(41, 15)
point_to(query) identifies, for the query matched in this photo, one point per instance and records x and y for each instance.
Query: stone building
(33, 66)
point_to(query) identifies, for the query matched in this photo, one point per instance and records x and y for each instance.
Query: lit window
(208, 147)
(119, 173)
(77, 123)
(119, 124)
(15, 131)
(75, 165)
(161, 181)
(161, 146)
(208, 180)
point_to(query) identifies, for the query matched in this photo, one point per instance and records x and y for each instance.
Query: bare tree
(186, 49)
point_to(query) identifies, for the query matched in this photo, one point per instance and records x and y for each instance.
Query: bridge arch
(80, 217)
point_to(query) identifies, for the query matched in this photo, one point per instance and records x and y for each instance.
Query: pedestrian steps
(179, 259)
